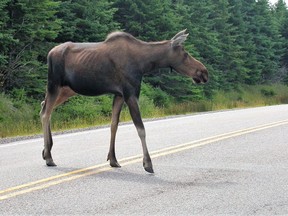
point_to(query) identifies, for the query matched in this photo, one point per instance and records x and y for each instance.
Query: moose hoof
(147, 164)
(114, 163)
(50, 162)
(48, 159)
(149, 169)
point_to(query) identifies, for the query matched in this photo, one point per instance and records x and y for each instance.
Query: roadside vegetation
(243, 44)
(21, 118)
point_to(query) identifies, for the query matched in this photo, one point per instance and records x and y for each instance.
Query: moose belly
(91, 85)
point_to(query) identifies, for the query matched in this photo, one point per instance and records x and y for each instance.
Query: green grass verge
(17, 119)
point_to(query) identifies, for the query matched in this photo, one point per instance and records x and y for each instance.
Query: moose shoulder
(114, 66)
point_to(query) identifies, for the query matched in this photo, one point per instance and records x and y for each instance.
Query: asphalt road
(230, 162)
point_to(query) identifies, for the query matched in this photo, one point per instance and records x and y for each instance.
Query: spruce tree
(241, 39)
(280, 14)
(148, 20)
(85, 20)
(266, 40)
(29, 26)
(6, 40)
(228, 23)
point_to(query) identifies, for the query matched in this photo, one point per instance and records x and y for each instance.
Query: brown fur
(114, 66)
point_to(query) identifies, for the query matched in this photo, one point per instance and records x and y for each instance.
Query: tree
(29, 26)
(6, 39)
(230, 63)
(281, 20)
(268, 41)
(203, 41)
(280, 15)
(147, 20)
(85, 20)
(240, 39)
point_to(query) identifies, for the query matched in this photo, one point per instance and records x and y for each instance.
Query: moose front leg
(132, 103)
(117, 106)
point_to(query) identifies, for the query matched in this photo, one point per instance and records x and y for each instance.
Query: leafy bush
(159, 98)
(88, 109)
(268, 92)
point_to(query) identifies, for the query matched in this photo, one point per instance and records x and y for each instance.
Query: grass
(17, 119)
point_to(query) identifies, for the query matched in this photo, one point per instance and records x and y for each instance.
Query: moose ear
(179, 38)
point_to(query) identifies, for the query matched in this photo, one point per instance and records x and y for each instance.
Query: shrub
(159, 98)
(268, 92)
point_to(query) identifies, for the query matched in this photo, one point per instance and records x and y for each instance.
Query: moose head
(182, 62)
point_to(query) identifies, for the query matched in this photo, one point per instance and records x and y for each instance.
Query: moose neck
(155, 55)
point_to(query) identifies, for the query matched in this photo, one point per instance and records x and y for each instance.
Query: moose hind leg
(117, 106)
(132, 103)
(45, 114)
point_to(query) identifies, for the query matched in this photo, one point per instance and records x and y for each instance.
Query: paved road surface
(232, 163)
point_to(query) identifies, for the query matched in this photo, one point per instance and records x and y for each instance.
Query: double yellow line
(69, 176)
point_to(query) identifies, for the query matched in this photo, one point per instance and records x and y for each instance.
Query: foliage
(242, 42)
(147, 20)
(21, 113)
(27, 28)
(158, 97)
(87, 111)
(239, 41)
(280, 14)
(85, 21)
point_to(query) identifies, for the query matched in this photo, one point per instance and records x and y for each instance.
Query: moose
(114, 66)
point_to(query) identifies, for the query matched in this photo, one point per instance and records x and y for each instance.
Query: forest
(243, 43)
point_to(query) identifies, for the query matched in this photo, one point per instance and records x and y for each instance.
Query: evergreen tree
(229, 63)
(147, 20)
(203, 41)
(85, 20)
(28, 28)
(180, 87)
(267, 41)
(281, 18)
(249, 29)
(240, 41)
(280, 14)
(6, 39)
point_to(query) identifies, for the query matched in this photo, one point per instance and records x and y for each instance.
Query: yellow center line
(99, 168)
(216, 138)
